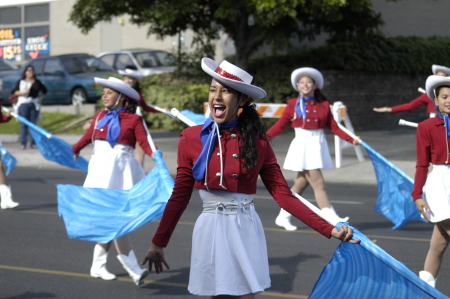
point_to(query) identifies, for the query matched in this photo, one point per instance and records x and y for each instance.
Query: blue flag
(365, 270)
(102, 215)
(8, 160)
(54, 148)
(199, 119)
(394, 190)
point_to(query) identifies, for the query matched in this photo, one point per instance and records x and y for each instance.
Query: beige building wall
(414, 17)
(106, 36)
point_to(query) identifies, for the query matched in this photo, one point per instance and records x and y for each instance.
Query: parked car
(145, 61)
(6, 69)
(69, 78)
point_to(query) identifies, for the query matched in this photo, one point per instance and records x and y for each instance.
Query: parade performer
(30, 92)
(422, 100)
(308, 153)
(114, 132)
(222, 159)
(131, 77)
(432, 146)
(6, 201)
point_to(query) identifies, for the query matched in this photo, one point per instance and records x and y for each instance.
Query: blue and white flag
(102, 215)
(365, 270)
(8, 160)
(394, 190)
(199, 119)
(54, 148)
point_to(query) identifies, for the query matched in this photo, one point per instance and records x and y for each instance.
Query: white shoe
(130, 264)
(331, 215)
(98, 268)
(6, 198)
(428, 278)
(284, 220)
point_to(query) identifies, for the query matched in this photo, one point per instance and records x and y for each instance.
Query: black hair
(437, 90)
(250, 127)
(319, 95)
(25, 70)
(137, 87)
(130, 105)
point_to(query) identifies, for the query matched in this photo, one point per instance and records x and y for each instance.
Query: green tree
(251, 23)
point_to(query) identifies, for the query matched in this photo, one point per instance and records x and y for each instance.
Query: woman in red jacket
(432, 146)
(6, 201)
(222, 159)
(423, 100)
(114, 132)
(308, 153)
(131, 77)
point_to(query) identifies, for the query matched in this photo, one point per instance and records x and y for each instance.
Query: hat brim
(255, 92)
(124, 73)
(439, 68)
(119, 87)
(308, 72)
(434, 82)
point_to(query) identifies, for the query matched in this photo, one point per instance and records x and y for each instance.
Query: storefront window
(37, 13)
(10, 15)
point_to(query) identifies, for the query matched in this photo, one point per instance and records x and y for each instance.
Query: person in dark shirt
(30, 92)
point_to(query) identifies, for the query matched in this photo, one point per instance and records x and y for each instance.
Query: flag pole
(22, 119)
(312, 207)
(149, 137)
(403, 122)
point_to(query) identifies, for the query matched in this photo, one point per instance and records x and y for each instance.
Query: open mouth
(219, 110)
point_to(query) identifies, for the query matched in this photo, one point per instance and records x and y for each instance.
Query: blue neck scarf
(208, 135)
(112, 117)
(300, 107)
(446, 120)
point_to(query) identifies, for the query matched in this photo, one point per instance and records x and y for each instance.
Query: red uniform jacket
(3, 118)
(132, 130)
(141, 102)
(423, 100)
(318, 116)
(431, 147)
(235, 179)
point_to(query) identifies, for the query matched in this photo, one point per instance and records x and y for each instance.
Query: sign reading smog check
(37, 45)
(10, 44)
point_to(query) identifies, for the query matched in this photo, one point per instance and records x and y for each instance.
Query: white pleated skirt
(113, 168)
(229, 253)
(437, 193)
(309, 150)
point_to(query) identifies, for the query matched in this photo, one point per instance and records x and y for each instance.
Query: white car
(145, 61)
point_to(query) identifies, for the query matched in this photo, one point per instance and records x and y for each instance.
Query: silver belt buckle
(221, 206)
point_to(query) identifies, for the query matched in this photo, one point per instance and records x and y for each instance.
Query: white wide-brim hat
(439, 68)
(308, 72)
(434, 82)
(119, 86)
(234, 77)
(131, 73)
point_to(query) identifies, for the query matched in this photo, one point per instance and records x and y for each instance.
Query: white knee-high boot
(284, 220)
(330, 213)
(428, 278)
(6, 198)
(98, 268)
(131, 264)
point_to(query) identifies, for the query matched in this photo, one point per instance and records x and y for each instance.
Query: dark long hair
(25, 70)
(319, 95)
(250, 127)
(130, 105)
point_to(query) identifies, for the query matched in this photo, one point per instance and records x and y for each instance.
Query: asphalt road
(38, 260)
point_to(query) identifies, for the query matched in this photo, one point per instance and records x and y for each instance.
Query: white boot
(330, 213)
(6, 198)
(284, 220)
(131, 264)
(98, 268)
(427, 277)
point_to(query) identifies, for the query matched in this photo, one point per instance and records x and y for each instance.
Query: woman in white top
(30, 92)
